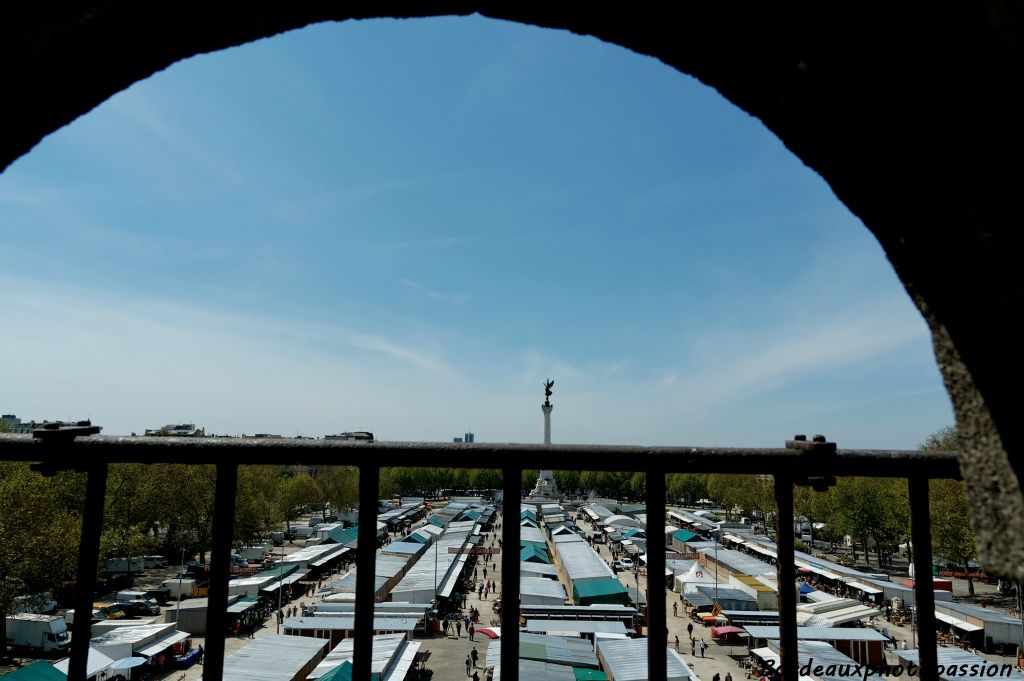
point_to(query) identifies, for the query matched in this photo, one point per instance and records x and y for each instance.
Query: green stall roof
(608, 590)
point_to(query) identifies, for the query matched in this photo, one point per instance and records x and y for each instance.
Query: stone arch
(911, 116)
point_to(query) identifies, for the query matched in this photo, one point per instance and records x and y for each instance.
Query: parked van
(154, 561)
(137, 603)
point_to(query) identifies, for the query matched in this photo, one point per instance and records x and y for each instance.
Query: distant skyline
(406, 226)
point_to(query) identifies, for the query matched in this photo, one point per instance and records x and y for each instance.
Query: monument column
(546, 408)
(546, 486)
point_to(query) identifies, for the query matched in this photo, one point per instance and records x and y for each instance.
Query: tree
(748, 492)
(186, 494)
(293, 493)
(131, 513)
(688, 487)
(638, 484)
(256, 510)
(568, 481)
(38, 535)
(817, 507)
(487, 478)
(944, 439)
(952, 531)
(873, 510)
(338, 486)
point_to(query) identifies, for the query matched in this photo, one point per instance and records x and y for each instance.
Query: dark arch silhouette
(910, 114)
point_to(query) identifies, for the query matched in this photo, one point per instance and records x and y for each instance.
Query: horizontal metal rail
(801, 463)
(269, 451)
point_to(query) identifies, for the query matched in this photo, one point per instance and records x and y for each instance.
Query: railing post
(88, 558)
(924, 588)
(366, 557)
(786, 567)
(510, 503)
(220, 557)
(657, 634)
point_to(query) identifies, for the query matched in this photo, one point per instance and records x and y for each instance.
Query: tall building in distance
(16, 425)
(468, 437)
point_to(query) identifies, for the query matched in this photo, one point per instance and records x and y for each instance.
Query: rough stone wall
(910, 113)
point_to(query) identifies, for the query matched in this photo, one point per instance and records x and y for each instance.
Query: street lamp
(718, 536)
(280, 595)
(177, 611)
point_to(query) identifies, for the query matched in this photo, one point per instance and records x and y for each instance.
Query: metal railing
(800, 462)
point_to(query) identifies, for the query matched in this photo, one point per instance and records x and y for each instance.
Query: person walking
(475, 655)
(202, 653)
(458, 628)
(472, 630)
(675, 609)
(693, 646)
(469, 665)
(703, 647)
(677, 643)
(728, 676)
(689, 630)
(716, 677)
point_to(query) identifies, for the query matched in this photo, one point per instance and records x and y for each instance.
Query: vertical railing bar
(366, 558)
(220, 555)
(510, 504)
(786, 570)
(657, 634)
(88, 558)
(924, 589)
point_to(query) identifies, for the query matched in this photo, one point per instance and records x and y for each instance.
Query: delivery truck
(254, 554)
(179, 588)
(44, 633)
(120, 566)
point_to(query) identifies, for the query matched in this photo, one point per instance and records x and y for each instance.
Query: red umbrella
(726, 630)
(494, 632)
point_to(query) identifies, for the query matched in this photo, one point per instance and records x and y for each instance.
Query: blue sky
(406, 226)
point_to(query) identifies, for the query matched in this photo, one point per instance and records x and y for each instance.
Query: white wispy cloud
(750, 361)
(133, 108)
(452, 298)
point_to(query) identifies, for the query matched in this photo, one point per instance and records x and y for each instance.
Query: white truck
(179, 588)
(254, 554)
(46, 633)
(120, 566)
